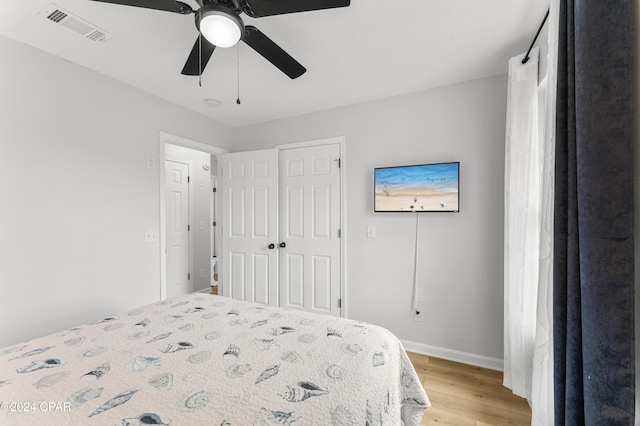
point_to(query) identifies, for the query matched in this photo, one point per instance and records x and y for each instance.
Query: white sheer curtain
(542, 381)
(523, 165)
(528, 250)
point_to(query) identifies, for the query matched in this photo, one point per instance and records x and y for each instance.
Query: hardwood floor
(464, 395)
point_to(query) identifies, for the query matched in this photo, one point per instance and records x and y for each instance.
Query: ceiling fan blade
(197, 60)
(272, 52)
(166, 5)
(260, 8)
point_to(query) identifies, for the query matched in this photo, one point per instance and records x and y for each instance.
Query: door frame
(215, 229)
(341, 141)
(165, 138)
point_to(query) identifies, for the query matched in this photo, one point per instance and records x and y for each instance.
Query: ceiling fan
(220, 25)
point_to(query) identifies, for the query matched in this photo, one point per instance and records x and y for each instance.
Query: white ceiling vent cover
(58, 15)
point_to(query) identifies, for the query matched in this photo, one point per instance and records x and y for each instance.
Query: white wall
(78, 197)
(460, 254)
(200, 212)
(76, 192)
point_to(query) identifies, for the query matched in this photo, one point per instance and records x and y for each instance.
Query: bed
(207, 360)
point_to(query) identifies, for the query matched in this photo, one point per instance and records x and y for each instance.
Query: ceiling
(370, 50)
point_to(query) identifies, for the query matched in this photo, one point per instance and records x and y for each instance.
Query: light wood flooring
(464, 395)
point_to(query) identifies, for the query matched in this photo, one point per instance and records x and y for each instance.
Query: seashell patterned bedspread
(208, 360)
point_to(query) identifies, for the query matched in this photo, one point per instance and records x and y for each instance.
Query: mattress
(208, 360)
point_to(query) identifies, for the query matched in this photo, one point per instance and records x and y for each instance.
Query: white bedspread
(208, 360)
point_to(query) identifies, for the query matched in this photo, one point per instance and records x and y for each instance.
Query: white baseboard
(204, 290)
(453, 355)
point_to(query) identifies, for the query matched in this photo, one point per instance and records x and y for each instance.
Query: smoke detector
(58, 15)
(212, 103)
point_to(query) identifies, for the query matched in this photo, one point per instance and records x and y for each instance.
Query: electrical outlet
(371, 231)
(418, 315)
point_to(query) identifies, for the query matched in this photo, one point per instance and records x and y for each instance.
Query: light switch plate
(151, 163)
(151, 236)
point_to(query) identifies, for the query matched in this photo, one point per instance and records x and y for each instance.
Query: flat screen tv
(419, 188)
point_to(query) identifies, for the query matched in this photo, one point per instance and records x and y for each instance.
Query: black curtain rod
(526, 57)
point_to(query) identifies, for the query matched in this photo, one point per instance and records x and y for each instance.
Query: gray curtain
(594, 371)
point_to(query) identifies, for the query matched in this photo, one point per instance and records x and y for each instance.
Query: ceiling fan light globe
(220, 28)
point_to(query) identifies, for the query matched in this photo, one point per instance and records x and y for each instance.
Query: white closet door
(250, 226)
(309, 216)
(177, 222)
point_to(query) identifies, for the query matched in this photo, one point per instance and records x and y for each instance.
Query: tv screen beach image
(428, 187)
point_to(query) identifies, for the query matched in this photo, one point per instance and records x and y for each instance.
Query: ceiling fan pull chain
(238, 100)
(200, 57)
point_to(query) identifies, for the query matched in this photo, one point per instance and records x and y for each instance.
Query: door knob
(271, 246)
(282, 245)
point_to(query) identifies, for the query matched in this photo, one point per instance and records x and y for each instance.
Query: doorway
(200, 160)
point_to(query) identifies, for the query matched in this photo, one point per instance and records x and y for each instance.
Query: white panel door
(250, 226)
(309, 216)
(177, 222)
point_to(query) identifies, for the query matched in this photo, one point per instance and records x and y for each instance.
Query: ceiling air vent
(56, 14)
